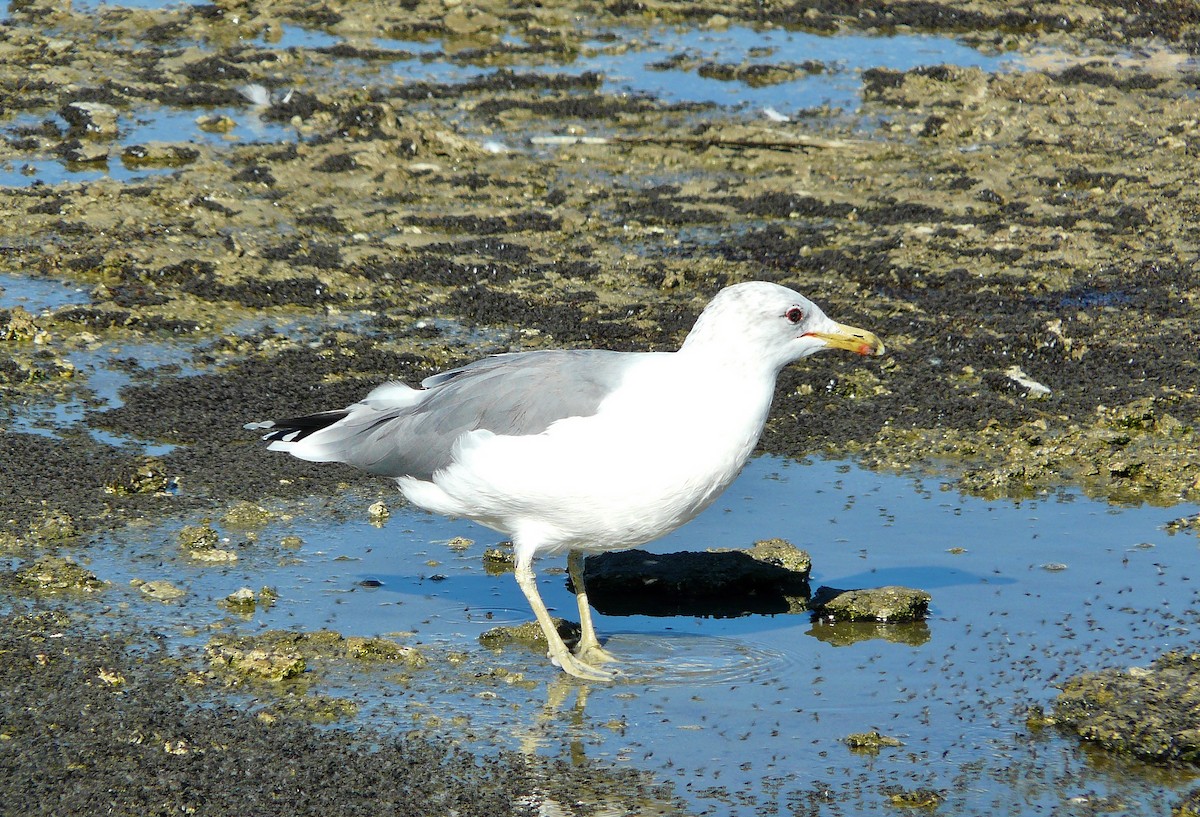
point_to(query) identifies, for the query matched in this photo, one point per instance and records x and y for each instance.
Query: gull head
(771, 324)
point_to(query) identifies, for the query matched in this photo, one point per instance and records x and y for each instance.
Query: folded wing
(400, 431)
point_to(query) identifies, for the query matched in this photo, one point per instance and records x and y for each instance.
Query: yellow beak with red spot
(851, 338)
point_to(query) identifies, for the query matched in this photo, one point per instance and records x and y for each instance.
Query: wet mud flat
(118, 728)
(1022, 238)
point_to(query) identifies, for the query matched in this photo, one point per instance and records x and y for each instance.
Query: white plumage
(582, 451)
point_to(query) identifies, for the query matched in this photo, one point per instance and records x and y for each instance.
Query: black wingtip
(295, 429)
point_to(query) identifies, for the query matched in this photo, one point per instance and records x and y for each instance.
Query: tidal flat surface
(744, 715)
(268, 210)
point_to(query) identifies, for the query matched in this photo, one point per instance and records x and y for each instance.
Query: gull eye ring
(795, 314)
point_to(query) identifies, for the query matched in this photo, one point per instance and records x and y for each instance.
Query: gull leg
(588, 648)
(559, 654)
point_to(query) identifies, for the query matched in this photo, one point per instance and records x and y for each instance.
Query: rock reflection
(845, 633)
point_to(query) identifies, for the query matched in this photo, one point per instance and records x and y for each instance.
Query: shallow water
(630, 62)
(103, 367)
(37, 294)
(748, 714)
(150, 124)
(838, 85)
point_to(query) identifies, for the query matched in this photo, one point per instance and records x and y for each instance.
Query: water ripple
(694, 660)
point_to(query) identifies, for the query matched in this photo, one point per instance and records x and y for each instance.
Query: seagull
(578, 451)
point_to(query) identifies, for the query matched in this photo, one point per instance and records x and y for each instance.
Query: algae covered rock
(497, 561)
(159, 154)
(53, 526)
(870, 743)
(160, 590)
(256, 662)
(245, 601)
(528, 634)
(246, 516)
(919, 798)
(200, 542)
(54, 573)
(144, 475)
(1150, 712)
(278, 655)
(780, 553)
(198, 537)
(378, 513)
(381, 650)
(882, 604)
(16, 324)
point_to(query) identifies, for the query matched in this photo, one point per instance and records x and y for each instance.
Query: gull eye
(795, 314)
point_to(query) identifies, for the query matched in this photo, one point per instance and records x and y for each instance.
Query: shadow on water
(926, 577)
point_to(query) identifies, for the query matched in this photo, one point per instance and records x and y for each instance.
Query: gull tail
(293, 435)
(359, 435)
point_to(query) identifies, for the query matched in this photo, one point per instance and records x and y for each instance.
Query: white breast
(659, 450)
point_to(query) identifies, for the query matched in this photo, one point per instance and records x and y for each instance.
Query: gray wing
(513, 394)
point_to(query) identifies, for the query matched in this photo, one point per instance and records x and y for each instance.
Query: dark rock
(770, 578)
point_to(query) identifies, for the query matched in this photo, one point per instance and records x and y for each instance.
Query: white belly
(658, 452)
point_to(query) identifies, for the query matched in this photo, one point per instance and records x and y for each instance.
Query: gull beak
(856, 340)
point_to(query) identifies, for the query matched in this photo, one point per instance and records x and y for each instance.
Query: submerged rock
(256, 662)
(54, 573)
(528, 634)
(311, 707)
(1150, 712)
(870, 742)
(883, 604)
(381, 650)
(160, 590)
(770, 577)
(1189, 805)
(1184, 523)
(78, 152)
